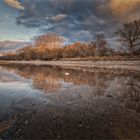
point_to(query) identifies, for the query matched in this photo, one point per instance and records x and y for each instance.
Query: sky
(76, 20)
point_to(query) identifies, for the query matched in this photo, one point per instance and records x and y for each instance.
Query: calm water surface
(43, 102)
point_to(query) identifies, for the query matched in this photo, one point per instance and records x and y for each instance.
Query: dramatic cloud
(123, 6)
(77, 18)
(14, 4)
(10, 46)
(58, 17)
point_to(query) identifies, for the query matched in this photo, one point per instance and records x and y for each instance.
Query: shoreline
(122, 65)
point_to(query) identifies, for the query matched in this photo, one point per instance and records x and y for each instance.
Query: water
(43, 102)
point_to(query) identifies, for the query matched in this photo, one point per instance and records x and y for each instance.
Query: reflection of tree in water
(132, 95)
(134, 92)
(46, 83)
(50, 79)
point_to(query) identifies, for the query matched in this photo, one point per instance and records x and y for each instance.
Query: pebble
(80, 125)
(111, 123)
(26, 122)
(109, 96)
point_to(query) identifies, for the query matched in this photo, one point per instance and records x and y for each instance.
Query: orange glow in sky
(123, 7)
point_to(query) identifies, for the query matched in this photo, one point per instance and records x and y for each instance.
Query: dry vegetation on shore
(50, 47)
(117, 65)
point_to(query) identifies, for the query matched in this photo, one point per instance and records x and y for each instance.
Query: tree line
(50, 46)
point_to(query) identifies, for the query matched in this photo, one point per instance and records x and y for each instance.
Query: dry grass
(104, 58)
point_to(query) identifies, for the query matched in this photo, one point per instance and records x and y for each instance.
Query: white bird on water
(67, 73)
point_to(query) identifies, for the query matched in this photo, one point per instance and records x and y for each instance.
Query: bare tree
(50, 41)
(100, 42)
(130, 35)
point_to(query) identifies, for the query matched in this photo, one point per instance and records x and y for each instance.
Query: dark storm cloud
(76, 18)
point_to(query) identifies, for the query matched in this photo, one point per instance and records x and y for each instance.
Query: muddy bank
(124, 65)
